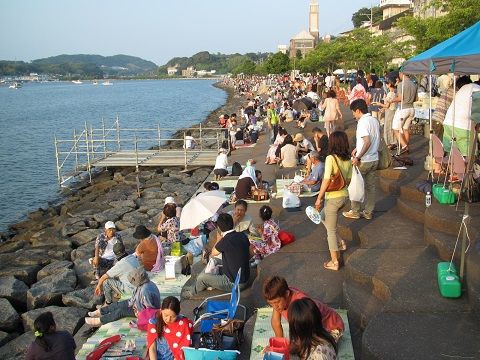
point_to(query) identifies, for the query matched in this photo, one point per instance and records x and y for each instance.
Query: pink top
(330, 105)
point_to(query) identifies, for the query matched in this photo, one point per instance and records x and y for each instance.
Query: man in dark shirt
(320, 142)
(234, 247)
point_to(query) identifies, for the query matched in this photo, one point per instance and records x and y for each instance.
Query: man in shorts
(406, 96)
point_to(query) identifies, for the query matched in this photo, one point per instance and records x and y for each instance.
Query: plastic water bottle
(428, 199)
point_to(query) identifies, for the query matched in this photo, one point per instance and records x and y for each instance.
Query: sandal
(404, 150)
(330, 265)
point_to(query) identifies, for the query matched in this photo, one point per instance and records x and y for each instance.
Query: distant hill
(204, 60)
(82, 66)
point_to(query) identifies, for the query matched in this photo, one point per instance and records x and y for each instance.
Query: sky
(158, 30)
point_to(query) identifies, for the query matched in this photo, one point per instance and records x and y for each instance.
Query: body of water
(30, 116)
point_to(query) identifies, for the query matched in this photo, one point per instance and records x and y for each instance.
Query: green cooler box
(448, 280)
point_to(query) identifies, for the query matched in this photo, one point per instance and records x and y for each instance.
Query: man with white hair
(104, 257)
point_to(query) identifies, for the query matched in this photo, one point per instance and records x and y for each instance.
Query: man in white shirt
(365, 157)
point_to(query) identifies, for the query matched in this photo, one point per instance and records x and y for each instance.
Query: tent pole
(430, 144)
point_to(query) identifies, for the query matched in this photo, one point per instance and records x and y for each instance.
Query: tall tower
(313, 19)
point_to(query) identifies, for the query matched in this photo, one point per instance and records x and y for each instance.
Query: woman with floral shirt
(270, 242)
(169, 230)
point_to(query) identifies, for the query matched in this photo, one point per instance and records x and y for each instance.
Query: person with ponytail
(308, 338)
(168, 332)
(49, 343)
(270, 242)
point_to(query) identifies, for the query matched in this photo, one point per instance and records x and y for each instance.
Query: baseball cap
(110, 225)
(169, 200)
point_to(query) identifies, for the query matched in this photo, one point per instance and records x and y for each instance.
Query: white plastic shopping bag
(290, 200)
(356, 189)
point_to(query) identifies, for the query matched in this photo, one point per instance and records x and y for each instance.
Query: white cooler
(173, 266)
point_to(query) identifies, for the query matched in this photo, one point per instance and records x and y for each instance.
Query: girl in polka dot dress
(168, 332)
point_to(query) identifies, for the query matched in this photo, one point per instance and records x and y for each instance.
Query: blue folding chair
(214, 310)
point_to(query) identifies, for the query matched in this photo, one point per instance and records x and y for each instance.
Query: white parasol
(200, 208)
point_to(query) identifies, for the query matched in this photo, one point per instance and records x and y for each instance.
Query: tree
(298, 54)
(362, 15)
(246, 67)
(460, 14)
(278, 63)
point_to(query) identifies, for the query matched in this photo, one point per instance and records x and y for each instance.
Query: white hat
(169, 200)
(110, 225)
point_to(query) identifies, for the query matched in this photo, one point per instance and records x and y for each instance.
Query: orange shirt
(147, 253)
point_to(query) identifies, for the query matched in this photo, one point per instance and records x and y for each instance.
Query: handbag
(384, 156)
(259, 195)
(337, 181)
(232, 328)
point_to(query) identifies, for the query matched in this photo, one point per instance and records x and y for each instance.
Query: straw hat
(298, 137)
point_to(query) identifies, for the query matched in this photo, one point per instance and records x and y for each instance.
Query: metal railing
(79, 155)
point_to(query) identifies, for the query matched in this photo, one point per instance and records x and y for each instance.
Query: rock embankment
(44, 259)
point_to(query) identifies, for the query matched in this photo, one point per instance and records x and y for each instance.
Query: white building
(282, 48)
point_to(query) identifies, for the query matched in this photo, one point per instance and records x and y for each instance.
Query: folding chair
(213, 310)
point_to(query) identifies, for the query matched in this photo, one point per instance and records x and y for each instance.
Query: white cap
(169, 200)
(110, 225)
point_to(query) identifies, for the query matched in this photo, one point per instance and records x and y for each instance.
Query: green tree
(362, 15)
(276, 64)
(460, 14)
(246, 67)
(298, 54)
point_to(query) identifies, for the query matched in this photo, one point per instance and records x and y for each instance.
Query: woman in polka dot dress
(168, 332)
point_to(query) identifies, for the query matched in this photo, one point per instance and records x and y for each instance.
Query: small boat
(77, 82)
(107, 83)
(95, 82)
(15, 85)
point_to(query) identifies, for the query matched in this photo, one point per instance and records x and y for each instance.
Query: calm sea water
(30, 116)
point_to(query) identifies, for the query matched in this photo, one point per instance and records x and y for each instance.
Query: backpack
(236, 169)
(313, 115)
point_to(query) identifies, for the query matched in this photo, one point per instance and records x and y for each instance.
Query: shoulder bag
(337, 181)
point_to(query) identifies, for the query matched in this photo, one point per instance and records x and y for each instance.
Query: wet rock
(9, 319)
(17, 348)
(67, 318)
(14, 290)
(54, 268)
(84, 298)
(85, 237)
(112, 214)
(50, 289)
(27, 273)
(11, 246)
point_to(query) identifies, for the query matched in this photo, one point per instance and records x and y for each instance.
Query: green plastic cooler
(448, 280)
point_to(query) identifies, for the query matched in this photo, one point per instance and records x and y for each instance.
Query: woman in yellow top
(338, 149)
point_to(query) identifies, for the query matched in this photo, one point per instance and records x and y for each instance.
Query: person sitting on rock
(168, 332)
(234, 247)
(115, 282)
(279, 296)
(50, 343)
(169, 229)
(145, 296)
(149, 251)
(104, 256)
(170, 200)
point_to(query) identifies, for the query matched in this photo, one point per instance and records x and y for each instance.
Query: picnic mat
(280, 185)
(227, 183)
(119, 327)
(263, 332)
(243, 146)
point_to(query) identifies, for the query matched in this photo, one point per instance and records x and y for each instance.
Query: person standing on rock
(365, 157)
(50, 343)
(104, 255)
(145, 296)
(115, 282)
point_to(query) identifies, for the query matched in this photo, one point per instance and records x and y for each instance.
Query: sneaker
(254, 263)
(351, 215)
(93, 321)
(367, 216)
(93, 314)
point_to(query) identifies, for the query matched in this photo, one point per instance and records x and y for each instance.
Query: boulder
(191, 181)
(153, 193)
(170, 188)
(14, 290)
(11, 246)
(135, 218)
(26, 273)
(112, 214)
(9, 319)
(103, 185)
(72, 229)
(84, 271)
(50, 289)
(151, 203)
(67, 318)
(129, 203)
(83, 252)
(17, 348)
(55, 252)
(92, 224)
(48, 236)
(6, 337)
(54, 268)
(128, 240)
(178, 175)
(84, 298)
(85, 237)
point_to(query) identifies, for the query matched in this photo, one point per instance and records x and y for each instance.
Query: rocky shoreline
(44, 259)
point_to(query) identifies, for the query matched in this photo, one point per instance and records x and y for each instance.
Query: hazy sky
(158, 30)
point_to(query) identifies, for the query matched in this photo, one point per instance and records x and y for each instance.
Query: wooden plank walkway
(158, 158)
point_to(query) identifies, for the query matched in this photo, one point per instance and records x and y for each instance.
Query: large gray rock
(83, 252)
(74, 228)
(170, 188)
(11, 246)
(14, 290)
(6, 337)
(55, 252)
(54, 268)
(67, 318)
(84, 271)
(112, 214)
(9, 319)
(49, 236)
(153, 193)
(129, 203)
(85, 237)
(26, 273)
(50, 289)
(17, 348)
(84, 298)
(135, 218)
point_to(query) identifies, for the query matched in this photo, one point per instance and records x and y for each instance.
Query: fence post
(92, 142)
(118, 135)
(218, 141)
(104, 139)
(76, 149)
(159, 136)
(201, 140)
(88, 154)
(185, 149)
(136, 153)
(59, 177)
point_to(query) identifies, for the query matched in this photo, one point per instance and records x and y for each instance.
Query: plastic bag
(195, 245)
(290, 200)
(213, 266)
(356, 189)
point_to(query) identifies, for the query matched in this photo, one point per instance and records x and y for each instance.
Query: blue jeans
(115, 311)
